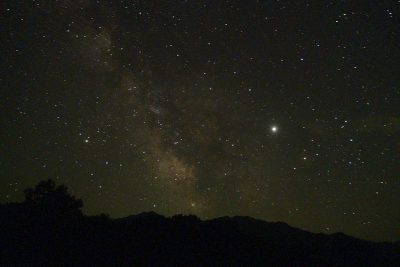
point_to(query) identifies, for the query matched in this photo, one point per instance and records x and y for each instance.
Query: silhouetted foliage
(48, 229)
(53, 199)
(185, 218)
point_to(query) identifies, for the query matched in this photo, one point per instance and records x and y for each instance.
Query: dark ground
(48, 229)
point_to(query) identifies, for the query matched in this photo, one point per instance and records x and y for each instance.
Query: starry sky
(279, 110)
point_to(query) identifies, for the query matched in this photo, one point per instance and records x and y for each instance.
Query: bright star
(274, 129)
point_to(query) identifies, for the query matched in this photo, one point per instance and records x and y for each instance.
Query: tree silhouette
(48, 198)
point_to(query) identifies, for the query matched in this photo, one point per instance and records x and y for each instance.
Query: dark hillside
(48, 229)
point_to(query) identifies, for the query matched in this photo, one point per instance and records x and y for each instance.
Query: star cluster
(280, 110)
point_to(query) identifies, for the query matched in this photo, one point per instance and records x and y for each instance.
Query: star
(274, 129)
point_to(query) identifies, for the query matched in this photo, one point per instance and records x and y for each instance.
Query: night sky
(279, 110)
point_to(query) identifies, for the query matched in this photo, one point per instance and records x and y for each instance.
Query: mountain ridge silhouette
(49, 229)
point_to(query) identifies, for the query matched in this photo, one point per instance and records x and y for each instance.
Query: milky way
(280, 110)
